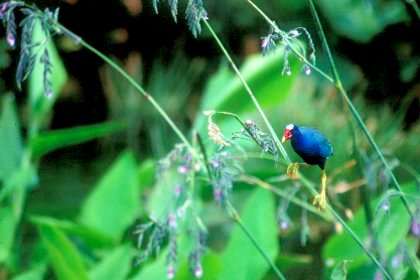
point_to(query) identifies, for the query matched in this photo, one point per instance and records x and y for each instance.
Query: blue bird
(314, 148)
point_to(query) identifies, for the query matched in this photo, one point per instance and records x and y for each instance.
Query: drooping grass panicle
(193, 13)
(9, 22)
(26, 60)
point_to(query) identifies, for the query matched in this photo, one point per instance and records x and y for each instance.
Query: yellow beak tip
(283, 139)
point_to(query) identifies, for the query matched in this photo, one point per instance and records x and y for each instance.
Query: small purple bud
(283, 224)
(396, 260)
(378, 276)
(286, 70)
(386, 206)
(415, 228)
(180, 212)
(172, 221)
(183, 169)
(217, 195)
(178, 190)
(48, 94)
(294, 33)
(215, 164)
(205, 15)
(198, 271)
(188, 156)
(11, 40)
(307, 70)
(264, 42)
(170, 273)
(3, 9)
(248, 122)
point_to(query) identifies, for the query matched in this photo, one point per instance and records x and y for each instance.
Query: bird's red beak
(287, 135)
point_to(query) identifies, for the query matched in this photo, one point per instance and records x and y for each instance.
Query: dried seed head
(215, 134)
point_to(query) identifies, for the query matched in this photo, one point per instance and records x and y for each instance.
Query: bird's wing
(324, 146)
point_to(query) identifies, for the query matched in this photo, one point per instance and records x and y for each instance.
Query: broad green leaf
(49, 141)
(388, 231)
(114, 202)
(7, 233)
(225, 91)
(63, 256)
(90, 236)
(340, 271)
(241, 260)
(115, 265)
(361, 20)
(35, 273)
(11, 147)
(39, 103)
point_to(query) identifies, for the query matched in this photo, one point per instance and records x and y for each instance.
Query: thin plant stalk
(354, 111)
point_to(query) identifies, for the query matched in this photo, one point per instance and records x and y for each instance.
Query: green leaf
(39, 103)
(225, 91)
(7, 233)
(340, 271)
(240, 259)
(65, 259)
(114, 202)
(92, 237)
(358, 20)
(11, 147)
(115, 265)
(35, 273)
(388, 231)
(49, 141)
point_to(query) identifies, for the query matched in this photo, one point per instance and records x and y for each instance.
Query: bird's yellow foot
(292, 170)
(321, 198)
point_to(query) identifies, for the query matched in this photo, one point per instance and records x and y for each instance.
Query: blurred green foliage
(95, 240)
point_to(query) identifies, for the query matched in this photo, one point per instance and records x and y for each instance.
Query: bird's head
(288, 132)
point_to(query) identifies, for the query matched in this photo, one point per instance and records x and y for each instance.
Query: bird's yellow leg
(321, 198)
(293, 168)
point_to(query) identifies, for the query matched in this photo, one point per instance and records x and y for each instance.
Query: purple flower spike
(3, 9)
